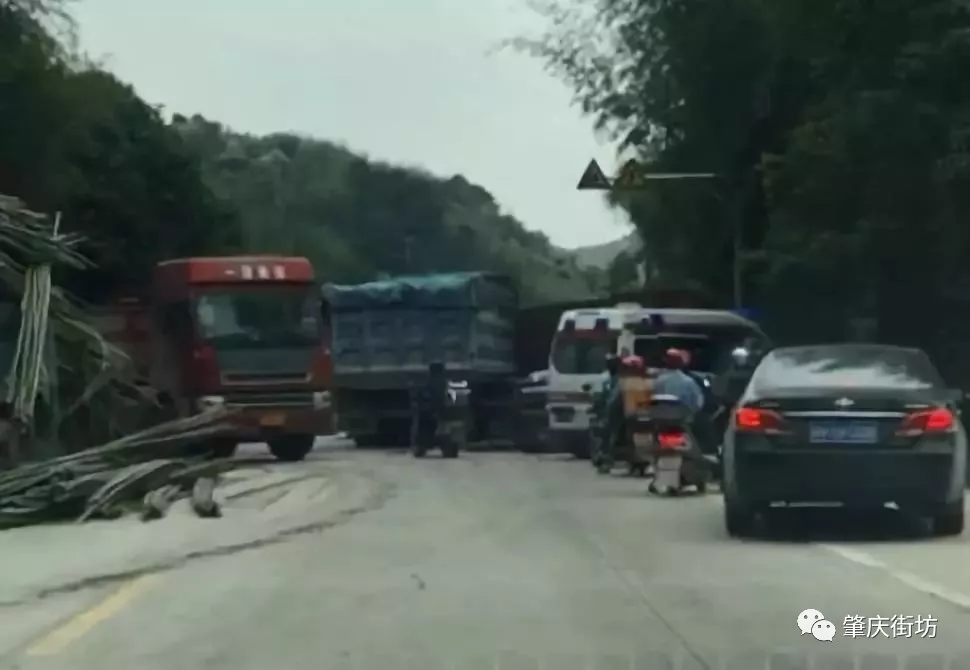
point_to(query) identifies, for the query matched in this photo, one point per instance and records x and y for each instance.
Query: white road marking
(911, 580)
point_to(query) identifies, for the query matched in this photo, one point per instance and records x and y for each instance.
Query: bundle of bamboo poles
(51, 320)
(146, 471)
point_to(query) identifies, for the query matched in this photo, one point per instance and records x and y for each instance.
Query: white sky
(406, 81)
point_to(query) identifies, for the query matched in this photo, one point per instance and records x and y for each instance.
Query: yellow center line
(81, 624)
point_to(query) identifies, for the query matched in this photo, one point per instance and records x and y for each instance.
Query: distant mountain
(601, 255)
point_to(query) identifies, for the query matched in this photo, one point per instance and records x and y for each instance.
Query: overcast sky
(406, 81)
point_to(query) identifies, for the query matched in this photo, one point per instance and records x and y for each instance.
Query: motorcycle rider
(673, 380)
(615, 428)
(429, 403)
(601, 403)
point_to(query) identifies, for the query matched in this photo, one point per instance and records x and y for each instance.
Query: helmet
(632, 363)
(676, 358)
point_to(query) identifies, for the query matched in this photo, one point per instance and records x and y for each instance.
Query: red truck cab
(245, 333)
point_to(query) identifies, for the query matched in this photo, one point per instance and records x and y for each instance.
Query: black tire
(701, 487)
(948, 520)
(223, 447)
(739, 518)
(291, 448)
(449, 450)
(418, 451)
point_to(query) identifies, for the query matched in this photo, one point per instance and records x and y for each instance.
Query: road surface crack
(381, 493)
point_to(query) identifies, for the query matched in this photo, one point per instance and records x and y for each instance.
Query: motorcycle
(663, 435)
(451, 429)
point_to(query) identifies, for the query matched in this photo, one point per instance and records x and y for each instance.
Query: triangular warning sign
(631, 177)
(593, 178)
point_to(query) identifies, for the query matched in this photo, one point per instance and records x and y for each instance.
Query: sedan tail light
(754, 420)
(938, 420)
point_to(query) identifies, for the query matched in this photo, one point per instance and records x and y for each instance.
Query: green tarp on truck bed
(477, 290)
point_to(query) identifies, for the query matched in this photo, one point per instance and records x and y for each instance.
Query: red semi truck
(240, 332)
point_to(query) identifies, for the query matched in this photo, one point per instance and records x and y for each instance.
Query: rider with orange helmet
(633, 364)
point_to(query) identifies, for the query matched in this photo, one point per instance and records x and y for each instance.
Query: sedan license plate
(272, 419)
(844, 432)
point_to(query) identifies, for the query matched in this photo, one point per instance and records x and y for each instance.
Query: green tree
(837, 130)
(77, 140)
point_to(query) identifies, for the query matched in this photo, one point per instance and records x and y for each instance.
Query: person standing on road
(601, 404)
(429, 404)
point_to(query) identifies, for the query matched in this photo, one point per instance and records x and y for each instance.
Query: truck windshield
(266, 316)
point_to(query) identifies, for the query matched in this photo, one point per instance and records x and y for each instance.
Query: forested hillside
(358, 218)
(838, 130)
(142, 188)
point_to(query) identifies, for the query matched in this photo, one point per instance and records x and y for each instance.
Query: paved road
(518, 562)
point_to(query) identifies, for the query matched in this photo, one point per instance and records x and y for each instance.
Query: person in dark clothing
(601, 403)
(429, 403)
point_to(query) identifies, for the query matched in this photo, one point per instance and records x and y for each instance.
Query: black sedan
(857, 424)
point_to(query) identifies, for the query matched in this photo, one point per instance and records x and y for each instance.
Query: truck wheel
(291, 448)
(223, 447)
(449, 449)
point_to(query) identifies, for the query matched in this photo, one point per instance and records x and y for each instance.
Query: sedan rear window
(856, 366)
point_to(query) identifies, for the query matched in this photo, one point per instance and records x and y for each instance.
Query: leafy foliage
(839, 133)
(77, 140)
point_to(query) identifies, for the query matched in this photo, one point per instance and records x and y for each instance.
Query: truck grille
(264, 377)
(264, 399)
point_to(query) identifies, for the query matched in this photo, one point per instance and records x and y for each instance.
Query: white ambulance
(584, 338)
(577, 366)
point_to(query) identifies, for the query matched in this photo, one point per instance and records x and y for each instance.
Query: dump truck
(385, 334)
(240, 332)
